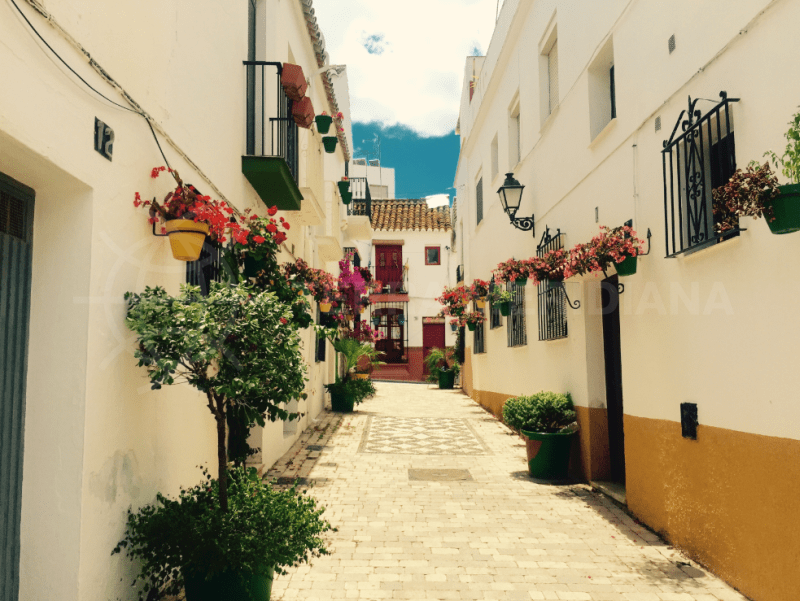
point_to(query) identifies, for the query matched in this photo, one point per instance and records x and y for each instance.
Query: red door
(390, 265)
(432, 337)
(392, 324)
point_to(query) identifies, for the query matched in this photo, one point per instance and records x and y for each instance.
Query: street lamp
(510, 196)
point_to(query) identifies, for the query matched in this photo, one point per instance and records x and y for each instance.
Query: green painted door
(16, 230)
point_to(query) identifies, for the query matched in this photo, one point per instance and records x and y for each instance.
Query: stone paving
(432, 500)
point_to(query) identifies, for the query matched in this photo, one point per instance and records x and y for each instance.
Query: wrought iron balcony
(362, 200)
(271, 162)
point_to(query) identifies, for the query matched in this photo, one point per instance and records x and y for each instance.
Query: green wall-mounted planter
(472, 326)
(548, 454)
(344, 187)
(347, 197)
(323, 123)
(627, 267)
(330, 143)
(272, 181)
(505, 309)
(786, 210)
(230, 586)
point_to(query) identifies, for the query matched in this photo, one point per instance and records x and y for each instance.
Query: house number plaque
(103, 138)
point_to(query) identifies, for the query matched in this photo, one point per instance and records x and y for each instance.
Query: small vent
(658, 123)
(12, 216)
(689, 420)
(671, 43)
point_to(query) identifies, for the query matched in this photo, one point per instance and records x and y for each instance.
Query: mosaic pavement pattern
(421, 436)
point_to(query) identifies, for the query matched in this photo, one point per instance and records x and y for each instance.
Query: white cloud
(438, 200)
(405, 60)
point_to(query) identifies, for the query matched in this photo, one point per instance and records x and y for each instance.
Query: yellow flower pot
(361, 309)
(186, 238)
(361, 376)
(480, 303)
(325, 307)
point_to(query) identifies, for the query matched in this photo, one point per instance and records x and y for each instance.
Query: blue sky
(423, 166)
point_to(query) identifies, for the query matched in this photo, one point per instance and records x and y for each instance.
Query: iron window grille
(516, 321)
(270, 136)
(552, 300)
(460, 273)
(208, 268)
(323, 319)
(361, 203)
(478, 337)
(433, 255)
(479, 201)
(695, 161)
(494, 311)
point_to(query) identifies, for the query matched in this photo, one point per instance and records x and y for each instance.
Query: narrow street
(432, 500)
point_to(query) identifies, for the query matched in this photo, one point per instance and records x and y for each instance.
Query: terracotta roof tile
(409, 214)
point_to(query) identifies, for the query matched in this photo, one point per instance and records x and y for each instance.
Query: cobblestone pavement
(432, 501)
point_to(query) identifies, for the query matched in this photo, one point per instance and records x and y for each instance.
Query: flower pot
(454, 326)
(344, 187)
(786, 210)
(230, 586)
(521, 281)
(447, 378)
(376, 321)
(552, 284)
(323, 123)
(361, 309)
(358, 376)
(186, 238)
(626, 267)
(325, 307)
(548, 454)
(342, 402)
(480, 303)
(505, 308)
(347, 197)
(330, 143)
(471, 326)
(252, 266)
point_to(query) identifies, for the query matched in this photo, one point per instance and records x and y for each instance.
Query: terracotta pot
(186, 238)
(303, 112)
(293, 81)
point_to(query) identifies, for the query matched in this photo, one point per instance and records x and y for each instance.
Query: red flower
(286, 224)
(259, 239)
(284, 320)
(272, 211)
(272, 228)
(279, 237)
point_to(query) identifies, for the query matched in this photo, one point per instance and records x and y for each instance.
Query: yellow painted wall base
(729, 499)
(593, 438)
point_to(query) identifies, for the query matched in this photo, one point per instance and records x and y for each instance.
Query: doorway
(392, 324)
(612, 352)
(432, 337)
(16, 233)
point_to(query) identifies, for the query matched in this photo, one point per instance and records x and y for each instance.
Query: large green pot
(447, 378)
(347, 197)
(548, 454)
(323, 123)
(342, 402)
(330, 143)
(786, 210)
(626, 267)
(505, 309)
(230, 586)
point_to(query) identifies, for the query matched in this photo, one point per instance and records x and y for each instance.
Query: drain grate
(315, 447)
(439, 475)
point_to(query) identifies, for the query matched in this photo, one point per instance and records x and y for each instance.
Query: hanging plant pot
(551, 284)
(454, 326)
(361, 309)
(376, 321)
(325, 307)
(480, 303)
(786, 210)
(471, 326)
(186, 238)
(323, 123)
(521, 281)
(626, 267)
(505, 309)
(303, 112)
(330, 143)
(344, 187)
(401, 319)
(347, 197)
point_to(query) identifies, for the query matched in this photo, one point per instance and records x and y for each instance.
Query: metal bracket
(526, 224)
(576, 304)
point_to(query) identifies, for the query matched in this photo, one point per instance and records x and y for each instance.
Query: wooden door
(392, 325)
(613, 360)
(432, 337)
(16, 233)
(389, 270)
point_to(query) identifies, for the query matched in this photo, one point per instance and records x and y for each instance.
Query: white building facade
(90, 437)
(577, 99)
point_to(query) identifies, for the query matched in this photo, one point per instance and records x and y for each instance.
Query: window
(323, 319)
(478, 339)
(700, 156)
(208, 268)
(552, 77)
(479, 201)
(495, 159)
(514, 145)
(548, 71)
(432, 255)
(552, 299)
(494, 312)
(516, 321)
(602, 99)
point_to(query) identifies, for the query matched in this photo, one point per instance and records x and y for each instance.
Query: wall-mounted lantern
(510, 194)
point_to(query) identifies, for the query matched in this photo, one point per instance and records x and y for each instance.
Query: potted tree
(442, 367)
(786, 206)
(240, 348)
(547, 421)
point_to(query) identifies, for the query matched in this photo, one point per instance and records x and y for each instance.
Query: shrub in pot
(442, 367)
(547, 421)
(187, 542)
(786, 206)
(349, 392)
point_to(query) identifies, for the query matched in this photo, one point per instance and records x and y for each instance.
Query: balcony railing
(271, 162)
(362, 199)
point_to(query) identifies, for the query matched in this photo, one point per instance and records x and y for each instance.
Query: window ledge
(548, 120)
(727, 240)
(603, 133)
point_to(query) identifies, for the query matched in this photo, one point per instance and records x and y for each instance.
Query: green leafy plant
(438, 358)
(265, 529)
(748, 193)
(542, 412)
(358, 390)
(236, 346)
(498, 295)
(789, 162)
